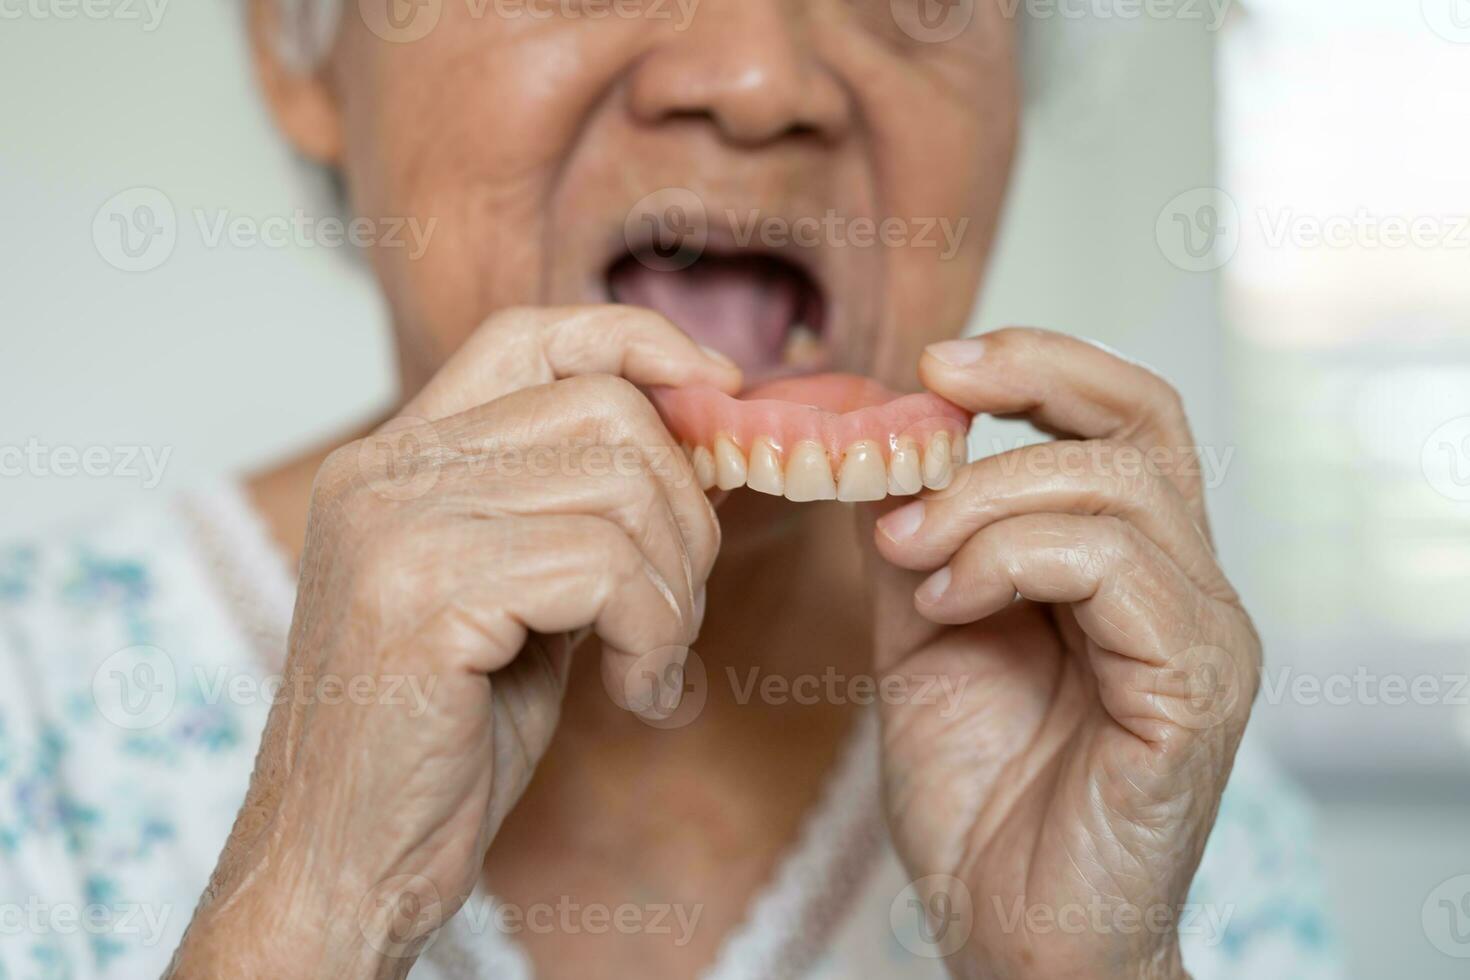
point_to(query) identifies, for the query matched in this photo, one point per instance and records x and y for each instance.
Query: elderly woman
(585, 676)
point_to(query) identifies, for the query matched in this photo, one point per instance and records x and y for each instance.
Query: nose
(748, 67)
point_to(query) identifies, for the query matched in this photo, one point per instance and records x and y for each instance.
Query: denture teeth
(938, 462)
(704, 467)
(764, 473)
(809, 474)
(729, 464)
(862, 476)
(904, 476)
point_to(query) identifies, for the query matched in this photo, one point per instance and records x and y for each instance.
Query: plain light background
(228, 358)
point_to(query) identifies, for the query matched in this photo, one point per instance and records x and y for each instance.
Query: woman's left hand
(1100, 670)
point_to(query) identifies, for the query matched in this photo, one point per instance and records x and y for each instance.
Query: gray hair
(308, 28)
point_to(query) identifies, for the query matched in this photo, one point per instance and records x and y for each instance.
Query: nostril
(753, 89)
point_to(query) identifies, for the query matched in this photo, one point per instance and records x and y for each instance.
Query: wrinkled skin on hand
(1082, 761)
(1108, 668)
(524, 497)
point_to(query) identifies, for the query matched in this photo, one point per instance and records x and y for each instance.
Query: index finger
(525, 347)
(1069, 388)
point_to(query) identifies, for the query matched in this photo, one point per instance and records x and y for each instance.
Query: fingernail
(901, 524)
(958, 353)
(934, 587)
(718, 357)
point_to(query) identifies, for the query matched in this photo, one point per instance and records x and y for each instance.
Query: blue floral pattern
(105, 817)
(108, 831)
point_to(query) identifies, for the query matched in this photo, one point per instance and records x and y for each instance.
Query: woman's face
(837, 164)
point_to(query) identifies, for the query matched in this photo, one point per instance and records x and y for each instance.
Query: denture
(822, 437)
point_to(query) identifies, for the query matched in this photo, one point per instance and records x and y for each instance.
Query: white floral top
(137, 658)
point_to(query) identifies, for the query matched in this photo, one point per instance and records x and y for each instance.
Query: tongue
(742, 307)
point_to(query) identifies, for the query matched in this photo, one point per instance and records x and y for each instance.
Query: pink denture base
(833, 410)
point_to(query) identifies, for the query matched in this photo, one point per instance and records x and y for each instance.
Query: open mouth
(766, 313)
(796, 431)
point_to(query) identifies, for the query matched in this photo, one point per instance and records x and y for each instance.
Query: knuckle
(639, 317)
(1164, 399)
(337, 474)
(1007, 341)
(341, 489)
(1126, 468)
(623, 413)
(607, 393)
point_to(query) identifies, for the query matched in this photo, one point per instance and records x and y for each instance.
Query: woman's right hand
(530, 492)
